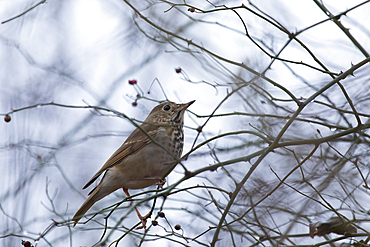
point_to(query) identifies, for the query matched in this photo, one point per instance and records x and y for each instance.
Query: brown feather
(132, 144)
(104, 188)
(141, 160)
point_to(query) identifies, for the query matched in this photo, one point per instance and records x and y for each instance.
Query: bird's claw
(160, 183)
(143, 224)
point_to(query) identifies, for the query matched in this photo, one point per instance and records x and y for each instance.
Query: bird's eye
(166, 107)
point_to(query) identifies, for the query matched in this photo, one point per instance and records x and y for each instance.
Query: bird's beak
(189, 104)
(185, 106)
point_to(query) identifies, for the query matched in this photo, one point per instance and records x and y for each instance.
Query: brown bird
(144, 158)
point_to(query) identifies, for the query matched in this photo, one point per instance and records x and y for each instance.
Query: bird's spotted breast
(149, 153)
(178, 141)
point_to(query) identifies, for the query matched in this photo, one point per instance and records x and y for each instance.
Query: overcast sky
(83, 52)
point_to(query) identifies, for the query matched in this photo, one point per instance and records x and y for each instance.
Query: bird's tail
(98, 193)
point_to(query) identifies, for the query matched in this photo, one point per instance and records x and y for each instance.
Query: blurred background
(275, 155)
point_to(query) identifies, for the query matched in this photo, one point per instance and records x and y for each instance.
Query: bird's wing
(136, 141)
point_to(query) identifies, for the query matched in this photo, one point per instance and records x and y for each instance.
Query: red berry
(191, 9)
(132, 82)
(26, 243)
(7, 118)
(134, 103)
(178, 70)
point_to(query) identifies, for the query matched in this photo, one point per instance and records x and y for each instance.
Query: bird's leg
(143, 220)
(160, 183)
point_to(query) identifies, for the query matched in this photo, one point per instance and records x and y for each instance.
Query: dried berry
(177, 227)
(134, 103)
(161, 214)
(26, 243)
(132, 82)
(7, 118)
(191, 9)
(178, 70)
(155, 223)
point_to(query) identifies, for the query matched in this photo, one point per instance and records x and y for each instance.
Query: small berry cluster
(134, 82)
(162, 215)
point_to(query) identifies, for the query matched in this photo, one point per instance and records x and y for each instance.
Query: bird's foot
(160, 183)
(143, 220)
(143, 223)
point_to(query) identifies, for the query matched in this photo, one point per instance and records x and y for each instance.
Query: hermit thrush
(144, 158)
